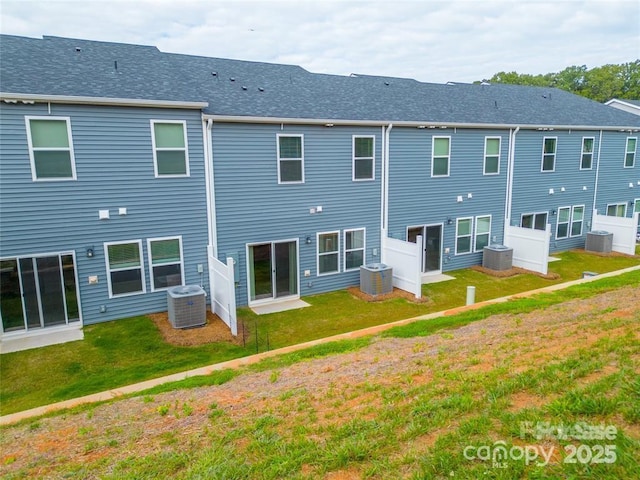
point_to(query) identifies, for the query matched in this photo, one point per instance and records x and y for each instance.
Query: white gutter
(422, 124)
(29, 98)
(385, 180)
(595, 187)
(212, 224)
(511, 159)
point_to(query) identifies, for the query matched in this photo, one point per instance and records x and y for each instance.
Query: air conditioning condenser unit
(187, 306)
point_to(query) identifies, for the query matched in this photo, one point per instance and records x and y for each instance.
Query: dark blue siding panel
(416, 198)
(252, 207)
(614, 179)
(114, 164)
(531, 186)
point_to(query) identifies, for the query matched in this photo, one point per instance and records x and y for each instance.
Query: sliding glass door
(38, 292)
(273, 270)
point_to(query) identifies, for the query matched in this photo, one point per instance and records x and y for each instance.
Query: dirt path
(139, 426)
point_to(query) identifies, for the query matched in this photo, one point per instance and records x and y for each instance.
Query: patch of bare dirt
(396, 293)
(511, 272)
(323, 392)
(215, 330)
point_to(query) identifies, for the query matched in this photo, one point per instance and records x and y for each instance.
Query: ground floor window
(617, 210)
(463, 235)
(165, 261)
(38, 292)
(354, 249)
(124, 268)
(483, 232)
(570, 221)
(328, 253)
(536, 221)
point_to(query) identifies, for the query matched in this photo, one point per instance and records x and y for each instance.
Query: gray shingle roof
(71, 67)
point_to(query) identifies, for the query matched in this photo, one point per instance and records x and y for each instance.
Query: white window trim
(624, 206)
(627, 151)
(484, 167)
(535, 214)
(142, 272)
(32, 160)
(151, 265)
(433, 147)
(335, 252)
(301, 159)
(571, 221)
(475, 231)
(568, 222)
(583, 153)
(354, 158)
(555, 153)
(364, 248)
(156, 149)
(470, 235)
(636, 208)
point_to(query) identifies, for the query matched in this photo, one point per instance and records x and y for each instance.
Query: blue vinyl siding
(614, 179)
(114, 164)
(251, 207)
(415, 198)
(531, 186)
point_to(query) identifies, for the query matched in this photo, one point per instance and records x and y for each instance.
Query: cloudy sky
(429, 40)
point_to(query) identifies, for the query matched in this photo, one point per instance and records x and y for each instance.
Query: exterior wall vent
(187, 306)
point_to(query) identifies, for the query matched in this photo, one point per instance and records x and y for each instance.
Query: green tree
(599, 83)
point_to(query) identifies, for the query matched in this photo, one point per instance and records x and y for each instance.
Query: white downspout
(595, 186)
(210, 188)
(385, 213)
(511, 158)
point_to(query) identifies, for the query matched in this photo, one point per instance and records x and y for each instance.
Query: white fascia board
(622, 102)
(9, 97)
(414, 124)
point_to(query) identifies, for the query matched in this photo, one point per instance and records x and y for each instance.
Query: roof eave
(10, 97)
(329, 122)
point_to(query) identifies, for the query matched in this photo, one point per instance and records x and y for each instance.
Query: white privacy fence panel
(530, 247)
(624, 231)
(223, 293)
(405, 260)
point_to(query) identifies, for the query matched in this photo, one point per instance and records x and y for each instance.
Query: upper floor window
(170, 148)
(586, 160)
(630, 152)
(353, 249)
(290, 159)
(328, 253)
(549, 154)
(537, 221)
(363, 158)
(51, 148)
(125, 271)
(440, 156)
(492, 155)
(483, 232)
(165, 262)
(617, 210)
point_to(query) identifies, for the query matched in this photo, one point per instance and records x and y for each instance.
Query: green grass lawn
(416, 420)
(131, 350)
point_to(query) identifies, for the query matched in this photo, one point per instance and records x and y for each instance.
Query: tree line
(598, 83)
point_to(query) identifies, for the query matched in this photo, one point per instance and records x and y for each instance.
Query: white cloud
(435, 41)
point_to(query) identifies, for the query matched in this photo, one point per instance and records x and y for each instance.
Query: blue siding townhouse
(121, 167)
